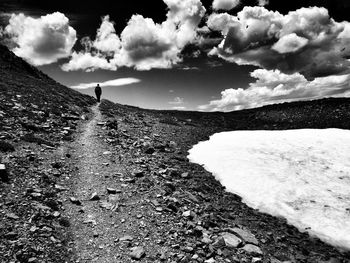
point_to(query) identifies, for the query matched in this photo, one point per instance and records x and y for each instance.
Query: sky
(202, 55)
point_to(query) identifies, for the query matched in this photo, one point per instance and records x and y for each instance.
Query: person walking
(98, 92)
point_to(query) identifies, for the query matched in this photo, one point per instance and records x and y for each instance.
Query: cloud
(143, 44)
(290, 44)
(106, 37)
(263, 2)
(109, 83)
(306, 40)
(42, 40)
(177, 101)
(273, 86)
(147, 45)
(88, 62)
(178, 108)
(225, 4)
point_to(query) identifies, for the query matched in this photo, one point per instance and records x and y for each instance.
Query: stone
(219, 242)
(94, 197)
(75, 201)
(188, 249)
(3, 173)
(126, 238)
(57, 165)
(111, 191)
(184, 175)
(107, 153)
(60, 187)
(138, 174)
(189, 214)
(252, 250)
(231, 241)
(150, 150)
(137, 253)
(12, 216)
(106, 205)
(206, 240)
(245, 235)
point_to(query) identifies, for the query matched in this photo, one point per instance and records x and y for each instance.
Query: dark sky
(158, 87)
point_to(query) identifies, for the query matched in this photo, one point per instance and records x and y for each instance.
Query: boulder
(137, 253)
(245, 235)
(231, 241)
(252, 250)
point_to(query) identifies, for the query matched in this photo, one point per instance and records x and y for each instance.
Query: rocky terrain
(111, 183)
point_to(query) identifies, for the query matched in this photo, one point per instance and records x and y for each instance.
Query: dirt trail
(93, 222)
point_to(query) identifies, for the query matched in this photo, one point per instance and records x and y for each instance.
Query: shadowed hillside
(31, 102)
(36, 115)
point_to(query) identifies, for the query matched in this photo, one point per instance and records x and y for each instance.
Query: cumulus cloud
(88, 62)
(106, 37)
(306, 40)
(42, 40)
(290, 44)
(273, 86)
(109, 83)
(177, 101)
(143, 44)
(225, 4)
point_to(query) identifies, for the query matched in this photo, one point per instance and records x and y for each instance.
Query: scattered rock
(57, 165)
(219, 243)
(126, 238)
(111, 191)
(75, 201)
(94, 197)
(137, 253)
(231, 241)
(64, 222)
(12, 216)
(3, 173)
(150, 150)
(138, 174)
(189, 214)
(184, 175)
(245, 235)
(252, 250)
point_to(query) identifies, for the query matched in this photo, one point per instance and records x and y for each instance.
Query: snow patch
(302, 175)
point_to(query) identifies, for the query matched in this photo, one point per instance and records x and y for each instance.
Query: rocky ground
(111, 183)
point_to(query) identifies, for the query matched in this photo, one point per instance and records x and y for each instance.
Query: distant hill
(23, 83)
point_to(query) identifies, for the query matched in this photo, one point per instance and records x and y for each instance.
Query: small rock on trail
(3, 173)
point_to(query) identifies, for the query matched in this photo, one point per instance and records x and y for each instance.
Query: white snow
(302, 175)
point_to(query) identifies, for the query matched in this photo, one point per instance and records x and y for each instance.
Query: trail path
(97, 225)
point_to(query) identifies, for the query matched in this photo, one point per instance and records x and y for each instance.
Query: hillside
(36, 115)
(92, 183)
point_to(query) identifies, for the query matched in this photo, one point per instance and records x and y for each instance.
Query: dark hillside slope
(36, 115)
(30, 101)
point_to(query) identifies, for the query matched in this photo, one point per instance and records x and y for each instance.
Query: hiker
(98, 92)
